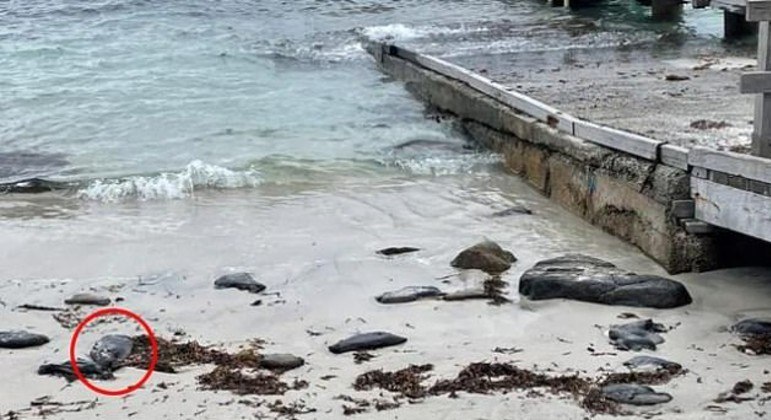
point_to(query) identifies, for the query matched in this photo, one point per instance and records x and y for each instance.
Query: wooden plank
(758, 11)
(516, 100)
(761, 133)
(674, 156)
(633, 144)
(733, 6)
(733, 209)
(755, 82)
(747, 166)
(700, 4)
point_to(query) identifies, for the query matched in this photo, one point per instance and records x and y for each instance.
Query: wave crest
(169, 185)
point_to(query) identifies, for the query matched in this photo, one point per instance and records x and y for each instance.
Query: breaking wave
(197, 175)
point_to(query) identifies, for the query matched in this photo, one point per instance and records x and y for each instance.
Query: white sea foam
(444, 165)
(197, 175)
(401, 32)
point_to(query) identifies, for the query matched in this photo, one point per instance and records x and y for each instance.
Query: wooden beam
(755, 82)
(674, 156)
(750, 167)
(631, 143)
(761, 134)
(758, 11)
(733, 6)
(731, 208)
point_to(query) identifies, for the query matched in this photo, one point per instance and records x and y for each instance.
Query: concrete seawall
(632, 197)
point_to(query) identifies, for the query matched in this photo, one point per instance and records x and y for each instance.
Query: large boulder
(588, 279)
(486, 256)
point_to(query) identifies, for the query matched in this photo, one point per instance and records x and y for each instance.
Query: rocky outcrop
(584, 278)
(240, 281)
(487, 256)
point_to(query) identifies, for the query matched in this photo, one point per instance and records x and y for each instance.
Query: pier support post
(666, 9)
(759, 82)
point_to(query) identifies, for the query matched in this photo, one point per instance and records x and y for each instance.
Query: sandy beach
(319, 264)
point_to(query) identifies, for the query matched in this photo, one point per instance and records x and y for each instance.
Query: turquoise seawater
(155, 98)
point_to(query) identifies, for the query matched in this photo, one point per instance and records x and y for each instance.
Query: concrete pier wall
(629, 196)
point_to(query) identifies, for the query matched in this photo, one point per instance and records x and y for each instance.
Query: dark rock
(88, 368)
(752, 326)
(512, 211)
(240, 281)
(32, 186)
(397, 250)
(21, 339)
(366, 341)
(486, 256)
(281, 361)
(636, 335)
(409, 294)
(87, 299)
(634, 394)
(580, 277)
(111, 349)
(639, 362)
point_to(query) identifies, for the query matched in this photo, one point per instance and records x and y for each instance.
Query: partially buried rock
(486, 256)
(366, 341)
(87, 299)
(21, 339)
(588, 279)
(397, 250)
(634, 394)
(281, 361)
(88, 368)
(752, 326)
(240, 281)
(467, 294)
(651, 362)
(409, 294)
(513, 211)
(111, 349)
(636, 335)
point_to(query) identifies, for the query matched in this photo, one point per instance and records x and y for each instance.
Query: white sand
(317, 250)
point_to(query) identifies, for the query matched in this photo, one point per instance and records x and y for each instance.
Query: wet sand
(315, 250)
(683, 92)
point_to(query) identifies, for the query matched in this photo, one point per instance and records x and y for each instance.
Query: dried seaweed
(759, 344)
(406, 382)
(232, 379)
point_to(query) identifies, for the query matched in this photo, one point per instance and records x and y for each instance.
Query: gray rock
(636, 335)
(281, 361)
(366, 341)
(512, 211)
(397, 250)
(87, 299)
(240, 281)
(583, 278)
(21, 339)
(634, 394)
(752, 326)
(642, 362)
(111, 349)
(409, 294)
(486, 256)
(88, 368)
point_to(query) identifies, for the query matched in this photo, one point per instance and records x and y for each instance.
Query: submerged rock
(281, 361)
(588, 279)
(21, 339)
(636, 335)
(87, 299)
(397, 250)
(487, 256)
(752, 326)
(32, 186)
(366, 341)
(111, 349)
(88, 368)
(409, 294)
(240, 281)
(642, 362)
(512, 211)
(634, 394)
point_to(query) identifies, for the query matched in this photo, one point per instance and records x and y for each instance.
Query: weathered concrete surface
(627, 196)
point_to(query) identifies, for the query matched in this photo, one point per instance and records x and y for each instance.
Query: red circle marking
(128, 314)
